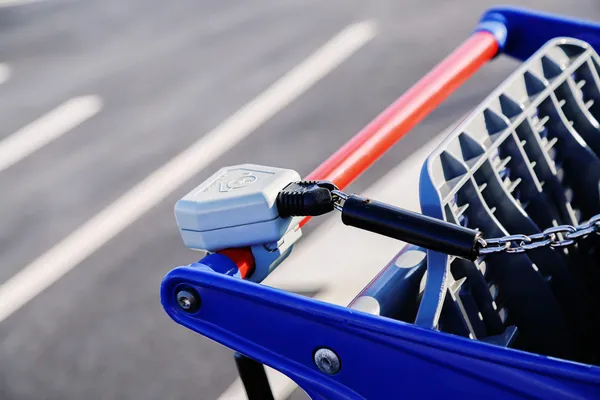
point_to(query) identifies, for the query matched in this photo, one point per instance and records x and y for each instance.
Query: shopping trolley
(497, 294)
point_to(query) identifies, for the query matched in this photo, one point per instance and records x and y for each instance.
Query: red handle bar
(360, 152)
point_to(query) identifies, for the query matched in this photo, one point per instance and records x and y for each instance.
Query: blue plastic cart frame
(381, 358)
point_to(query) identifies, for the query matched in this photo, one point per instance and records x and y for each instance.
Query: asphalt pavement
(155, 77)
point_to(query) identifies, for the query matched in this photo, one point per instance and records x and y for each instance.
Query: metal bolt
(188, 300)
(327, 361)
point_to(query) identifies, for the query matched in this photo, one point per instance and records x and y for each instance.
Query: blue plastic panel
(521, 32)
(381, 358)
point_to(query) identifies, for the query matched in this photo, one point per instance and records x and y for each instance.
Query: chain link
(556, 236)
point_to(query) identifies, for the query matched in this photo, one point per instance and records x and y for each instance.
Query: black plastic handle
(410, 227)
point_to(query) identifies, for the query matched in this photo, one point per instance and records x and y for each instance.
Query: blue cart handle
(521, 32)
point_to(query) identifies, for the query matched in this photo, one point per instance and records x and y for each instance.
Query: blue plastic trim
(396, 287)
(521, 32)
(429, 197)
(381, 358)
(498, 29)
(221, 264)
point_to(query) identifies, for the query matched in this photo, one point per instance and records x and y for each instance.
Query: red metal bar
(358, 154)
(243, 259)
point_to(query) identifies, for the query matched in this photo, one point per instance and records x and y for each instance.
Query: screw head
(327, 361)
(188, 300)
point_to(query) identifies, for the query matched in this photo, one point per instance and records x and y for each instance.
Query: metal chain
(339, 198)
(556, 236)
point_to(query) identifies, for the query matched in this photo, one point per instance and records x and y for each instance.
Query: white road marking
(4, 73)
(342, 272)
(10, 3)
(49, 127)
(107, 224)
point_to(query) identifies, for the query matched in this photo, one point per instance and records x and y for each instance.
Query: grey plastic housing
(235, 207)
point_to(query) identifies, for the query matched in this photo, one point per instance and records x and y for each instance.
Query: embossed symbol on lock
(243, 181)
